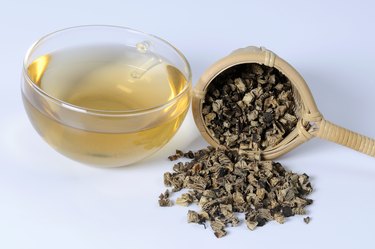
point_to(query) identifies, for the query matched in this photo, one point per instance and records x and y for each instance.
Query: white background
(49, 201)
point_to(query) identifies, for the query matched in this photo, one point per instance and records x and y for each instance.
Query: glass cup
(105, 131)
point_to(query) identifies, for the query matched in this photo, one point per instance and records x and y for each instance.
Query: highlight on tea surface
(223, 183)
(249, 107)
(113, 79)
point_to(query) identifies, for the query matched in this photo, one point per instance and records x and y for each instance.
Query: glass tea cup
(105, 95)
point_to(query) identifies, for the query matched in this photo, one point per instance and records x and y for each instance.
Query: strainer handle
(340, 135)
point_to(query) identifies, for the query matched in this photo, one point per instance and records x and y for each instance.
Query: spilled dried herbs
(223, 183)
(307, 220)
(164, 200)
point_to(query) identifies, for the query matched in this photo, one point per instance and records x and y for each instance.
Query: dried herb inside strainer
(250, 107)
(223, 183)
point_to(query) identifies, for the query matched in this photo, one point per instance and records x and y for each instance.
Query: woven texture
(347, 138)
(311, 122)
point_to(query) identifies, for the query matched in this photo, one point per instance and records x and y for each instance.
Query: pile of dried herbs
(223, 183)
(249, 107)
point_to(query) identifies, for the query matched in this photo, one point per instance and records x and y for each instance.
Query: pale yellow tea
(114, 84)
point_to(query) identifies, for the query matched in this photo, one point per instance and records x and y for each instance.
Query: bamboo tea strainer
(310, 124)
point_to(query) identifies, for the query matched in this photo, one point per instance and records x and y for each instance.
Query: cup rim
(93, 111)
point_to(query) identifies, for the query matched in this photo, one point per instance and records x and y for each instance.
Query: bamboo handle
(337, 134)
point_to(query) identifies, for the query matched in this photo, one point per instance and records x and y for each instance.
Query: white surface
(49, 201)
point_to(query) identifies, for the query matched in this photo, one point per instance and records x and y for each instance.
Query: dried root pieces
(223, 183)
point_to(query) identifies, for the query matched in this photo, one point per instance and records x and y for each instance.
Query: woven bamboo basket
(311, 122)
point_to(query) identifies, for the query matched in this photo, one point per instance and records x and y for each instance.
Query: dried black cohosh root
(176, 156)
(164, 200)
(250, 107)
(307, 220)
(222, 183)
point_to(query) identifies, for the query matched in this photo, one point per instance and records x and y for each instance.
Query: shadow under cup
(142, 82)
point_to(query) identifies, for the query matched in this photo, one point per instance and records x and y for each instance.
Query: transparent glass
(111, 136)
